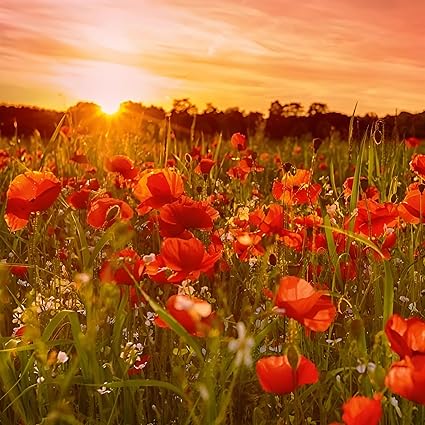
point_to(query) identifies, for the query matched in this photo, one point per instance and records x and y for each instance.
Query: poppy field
(229, 281)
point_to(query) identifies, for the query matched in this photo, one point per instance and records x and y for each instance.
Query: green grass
(191, 380)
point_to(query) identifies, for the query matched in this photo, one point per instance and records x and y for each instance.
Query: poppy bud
(364, 184)
(293, 357)
(287, 166)
(316, 144)
(272, 259)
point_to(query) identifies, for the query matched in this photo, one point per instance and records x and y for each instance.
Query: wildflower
(412, 142)
(205, 165)
(242, 346)
(185, 214)
(238, 141)
(407, 378)
(412, 208)
(367, 192)
(373, 218)
(406, 337)
(79, 199)
(248, 244)
(300, 301)
(104, 390)
(140, 363)
(123, 268)
(277, 376)
(103, 212)
(417, 165)
(194, 314)
(296, 189)
(62, 357)
(157, 188)
(360, 410)
(270, 221)
(243, 168)
(186, 258)
(30, 192)
(121, 164)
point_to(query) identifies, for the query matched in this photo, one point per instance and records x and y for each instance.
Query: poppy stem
(388, 291)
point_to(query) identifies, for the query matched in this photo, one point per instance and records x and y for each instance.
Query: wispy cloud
(230, 52)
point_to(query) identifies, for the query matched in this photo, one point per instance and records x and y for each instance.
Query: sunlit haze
(242, 53)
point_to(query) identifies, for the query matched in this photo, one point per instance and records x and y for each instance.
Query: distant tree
(276, 109)
(234, 122)
(183, 106)
(210, 109)
(253, 122)
(182, 117)
(293, 109)
(273, 129)
(317, 108)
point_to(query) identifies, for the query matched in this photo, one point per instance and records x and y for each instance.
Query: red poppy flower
(277, 376)
(296, 189)
(412, 208)
(412, 142)
(79, 157)
(417, 165)
(310, 307)
(121, 164)
(194, 314)
(270, 221)
(139, 365)
(185, 214)
(248, 244)
(362, 410)
(19, 271)
(79, 199)
(103, 212)
(204, 166)
(186, 258)
(4, 159)
(157, 188)
(368, 192)
(406, 336)
(123, 268)
(238, 141)
(373, 218)
(29, 192)
(242, 169)
(407, 378)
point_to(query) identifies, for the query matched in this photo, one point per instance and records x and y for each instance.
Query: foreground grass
(83, 336)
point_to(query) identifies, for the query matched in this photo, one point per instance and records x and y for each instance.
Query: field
(234, 281)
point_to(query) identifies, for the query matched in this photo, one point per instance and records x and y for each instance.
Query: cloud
(230, 52)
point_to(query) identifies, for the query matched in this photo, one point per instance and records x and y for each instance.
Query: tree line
(282, 121)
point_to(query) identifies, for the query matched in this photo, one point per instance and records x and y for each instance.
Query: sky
(242, 53)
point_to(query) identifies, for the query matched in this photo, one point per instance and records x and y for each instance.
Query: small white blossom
(62, 357)
(242, 346)
(104, 390)
(394, 402)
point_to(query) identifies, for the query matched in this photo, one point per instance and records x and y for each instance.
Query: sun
(110, 107)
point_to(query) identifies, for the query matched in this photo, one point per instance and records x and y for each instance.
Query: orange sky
(229, 52)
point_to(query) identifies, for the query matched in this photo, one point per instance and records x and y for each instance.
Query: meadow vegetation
(220, 281)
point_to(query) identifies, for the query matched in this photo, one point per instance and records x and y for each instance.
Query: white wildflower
(242, 346)
(62, 357)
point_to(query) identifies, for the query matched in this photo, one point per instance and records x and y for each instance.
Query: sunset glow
(230, 53)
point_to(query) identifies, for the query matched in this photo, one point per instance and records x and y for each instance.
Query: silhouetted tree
(293, 109)
(317, 108)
